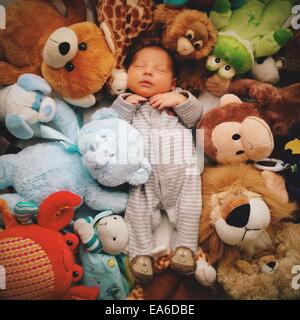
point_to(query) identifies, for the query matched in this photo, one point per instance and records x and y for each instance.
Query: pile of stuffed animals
(63, 191)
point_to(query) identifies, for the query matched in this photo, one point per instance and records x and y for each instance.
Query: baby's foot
(142, 268)
(183, 261)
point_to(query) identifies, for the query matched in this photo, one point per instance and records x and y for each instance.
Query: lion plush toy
(243, 233)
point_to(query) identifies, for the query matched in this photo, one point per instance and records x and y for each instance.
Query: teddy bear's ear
(31, 82)
(141, 175)
(57, 210)
(108, 37)
(104, 113)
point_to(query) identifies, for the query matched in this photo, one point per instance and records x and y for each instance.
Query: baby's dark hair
(135, 49)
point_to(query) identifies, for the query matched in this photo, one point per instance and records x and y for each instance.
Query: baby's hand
(167, 100)
(135, 99)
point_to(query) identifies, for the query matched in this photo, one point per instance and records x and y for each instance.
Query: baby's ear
(174, 81)
(141, 175)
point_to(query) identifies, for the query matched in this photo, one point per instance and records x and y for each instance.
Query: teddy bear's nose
(271, 264)
(239, 216)
(64, 48)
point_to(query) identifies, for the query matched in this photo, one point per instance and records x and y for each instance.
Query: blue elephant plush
(26, 104)
(84, 161)
(103, 254)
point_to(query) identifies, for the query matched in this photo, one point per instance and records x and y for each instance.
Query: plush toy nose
(239, 216)
(60, 48)
(271, 264)
(64, 48)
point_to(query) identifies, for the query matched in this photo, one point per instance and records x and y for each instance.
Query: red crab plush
(39, 261)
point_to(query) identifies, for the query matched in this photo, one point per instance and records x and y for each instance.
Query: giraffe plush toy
(126, 19)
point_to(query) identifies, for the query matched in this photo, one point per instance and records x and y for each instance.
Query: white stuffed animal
(26, 103)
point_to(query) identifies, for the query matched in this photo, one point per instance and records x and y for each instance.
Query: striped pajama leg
(142, 216)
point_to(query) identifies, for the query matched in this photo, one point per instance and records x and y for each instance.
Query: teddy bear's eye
(93, 147)
(82, 46)
(69, 66)
(115, 218)
(240, 152)
(190, 34)
(114, 238)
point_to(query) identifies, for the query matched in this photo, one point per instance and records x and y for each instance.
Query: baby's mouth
(146, 83)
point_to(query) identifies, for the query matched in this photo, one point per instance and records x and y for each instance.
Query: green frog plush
(255, 28)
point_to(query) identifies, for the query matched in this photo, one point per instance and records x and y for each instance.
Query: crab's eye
(190, 34)
(226, 72)
(214, 63)
(198, 45)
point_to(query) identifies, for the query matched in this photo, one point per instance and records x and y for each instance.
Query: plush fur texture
(55, 269)
(92, 67)
(279, 107)
(21, 43)
(258, 284)
(176, 23)
(169, 285)
(231, 178)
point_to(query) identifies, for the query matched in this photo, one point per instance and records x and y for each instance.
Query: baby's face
(150, 72)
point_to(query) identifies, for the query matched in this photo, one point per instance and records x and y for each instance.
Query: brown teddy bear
(270, 276)
(28, 25)
(78, 60)
(243, 232)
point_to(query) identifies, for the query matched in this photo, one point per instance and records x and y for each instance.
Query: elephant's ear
(141, 175)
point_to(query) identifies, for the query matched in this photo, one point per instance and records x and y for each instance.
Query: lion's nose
(239, 216)
(64, 48)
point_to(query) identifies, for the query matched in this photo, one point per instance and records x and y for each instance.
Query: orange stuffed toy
(28, 25)
(46, 266)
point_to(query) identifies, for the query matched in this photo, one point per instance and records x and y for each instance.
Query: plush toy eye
(93, 147)
(82, 46)
(71, 241)
(69, 66)
(236, 136)
(115, 218)
(190, 34)
(114, 238)
(198, 45)
(240, 152)
(226, 72)
(214, 63)
(77, 272)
